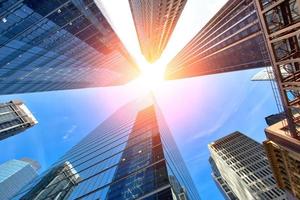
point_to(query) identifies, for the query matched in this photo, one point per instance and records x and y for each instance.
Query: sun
(151, 76)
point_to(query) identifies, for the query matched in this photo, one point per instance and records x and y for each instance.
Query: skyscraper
(154, 22)
(280, 25)
(232, 40)
(284, 158)
(243, 165)
(220, 182)
(14, 175)
(131, 155)
(267, 74)
(60, 44)
(59, 182)
(280, 21)
(14, 118)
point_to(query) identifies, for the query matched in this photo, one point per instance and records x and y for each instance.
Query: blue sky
(198, 111)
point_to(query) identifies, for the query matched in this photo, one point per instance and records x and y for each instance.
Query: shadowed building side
(154, 22)
(220, 182)
(57, 45)
(232, 40)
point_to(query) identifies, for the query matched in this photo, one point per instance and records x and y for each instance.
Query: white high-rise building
(243, 164)
(15, 117)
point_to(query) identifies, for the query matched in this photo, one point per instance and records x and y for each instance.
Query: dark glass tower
(59, 44)
(232, 40)
(129, 156)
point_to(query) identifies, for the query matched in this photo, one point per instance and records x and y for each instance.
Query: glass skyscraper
(59, 44)
(154, 22)
(15, 174)
(131, 155)
(232, 40)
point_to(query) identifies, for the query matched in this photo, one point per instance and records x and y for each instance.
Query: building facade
(14, 118)
(280, 22)
(232, 40)
(14, 175)
(131, 155)
(243, 164)
(62, 44)
(220, 182)
(59, 182)
(284, 158)
(154, 22)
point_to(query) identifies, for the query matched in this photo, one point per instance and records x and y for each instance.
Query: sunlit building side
(59, 44)
(131, 155)
(243, 165)
(154, 22)
(232, 40)
(14, 118)
(284, 158)
(280, 21)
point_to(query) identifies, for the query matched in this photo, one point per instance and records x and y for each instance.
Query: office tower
(131, 155)
(154, 22)
(14, 118)
(14, 175)
(59, 44)
(267, 74)
(232, 40)
(280, 21)
(243, 164)
(220, 182)
(284, 158)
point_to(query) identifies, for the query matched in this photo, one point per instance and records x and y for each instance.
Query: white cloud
(230, 109)
(69, 132)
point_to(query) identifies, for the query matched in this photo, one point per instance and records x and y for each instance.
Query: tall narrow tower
(15, 174)
(131, 155)
(14, 118)
(154, 22)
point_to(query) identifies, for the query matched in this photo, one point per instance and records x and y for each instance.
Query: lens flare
(152, 75)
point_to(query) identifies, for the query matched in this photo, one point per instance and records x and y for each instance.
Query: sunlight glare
(152, 75)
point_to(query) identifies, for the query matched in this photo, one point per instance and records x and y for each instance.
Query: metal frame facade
(280, 21)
